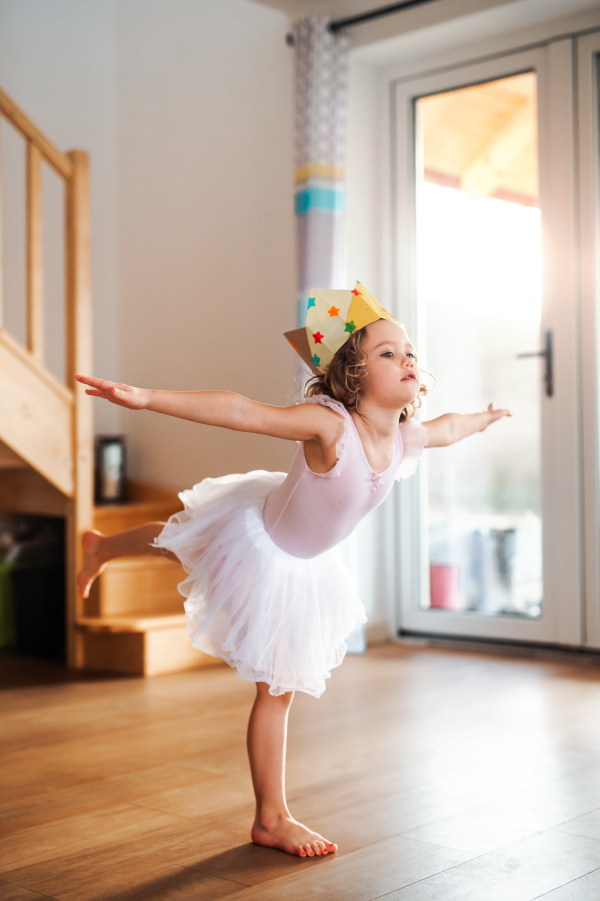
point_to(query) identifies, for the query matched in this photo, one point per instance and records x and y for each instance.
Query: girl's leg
(274, 825)
(99, 549)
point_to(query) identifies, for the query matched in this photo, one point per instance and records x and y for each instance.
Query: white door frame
(561, 621)
(588, 51)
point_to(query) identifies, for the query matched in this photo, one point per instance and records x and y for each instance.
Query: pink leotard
(311, 512)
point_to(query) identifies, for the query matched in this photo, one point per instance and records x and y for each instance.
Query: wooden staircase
(46, 441)
(134, 621)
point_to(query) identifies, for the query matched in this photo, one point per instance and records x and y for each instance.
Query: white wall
(186, 109)
(57, 63)
(206, 250)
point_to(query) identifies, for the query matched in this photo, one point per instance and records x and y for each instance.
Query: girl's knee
(284, 700)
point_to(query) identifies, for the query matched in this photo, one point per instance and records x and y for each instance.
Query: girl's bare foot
(92, 563)
(290, 836)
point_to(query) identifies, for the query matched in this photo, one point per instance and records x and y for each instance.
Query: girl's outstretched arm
(453, 427)
(301, 422)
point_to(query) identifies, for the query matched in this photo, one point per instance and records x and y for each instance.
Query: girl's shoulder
(325, 401)
(343, 444)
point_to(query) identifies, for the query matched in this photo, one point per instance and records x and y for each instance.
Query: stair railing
(64, 409)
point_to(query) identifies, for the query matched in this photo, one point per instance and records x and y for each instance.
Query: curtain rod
(378, 13)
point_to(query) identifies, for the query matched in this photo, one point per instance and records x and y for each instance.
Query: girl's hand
(116, 393)
(491, 415)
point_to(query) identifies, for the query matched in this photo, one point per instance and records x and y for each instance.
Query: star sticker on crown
(332, 317)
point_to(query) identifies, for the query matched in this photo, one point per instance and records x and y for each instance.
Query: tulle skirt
(276, 618)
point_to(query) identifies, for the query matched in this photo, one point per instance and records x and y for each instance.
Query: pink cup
(443, 580)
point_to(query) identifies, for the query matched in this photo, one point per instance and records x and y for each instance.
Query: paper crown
(331, 317)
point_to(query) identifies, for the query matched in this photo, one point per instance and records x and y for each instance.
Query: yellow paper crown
(331, 317)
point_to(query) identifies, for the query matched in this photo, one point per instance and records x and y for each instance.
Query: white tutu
(274, 617)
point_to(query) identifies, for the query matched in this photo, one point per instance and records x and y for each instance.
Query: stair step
(118, 517)
(147, 503)
(131, 584)
(140, 646)
(131, 623)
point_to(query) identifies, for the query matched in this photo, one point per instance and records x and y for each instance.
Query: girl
(266, 588)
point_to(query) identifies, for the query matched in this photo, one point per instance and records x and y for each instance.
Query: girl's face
(392, 376)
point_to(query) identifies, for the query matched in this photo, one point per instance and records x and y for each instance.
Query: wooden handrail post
(79, 359)
(35, 261)
(1, 258)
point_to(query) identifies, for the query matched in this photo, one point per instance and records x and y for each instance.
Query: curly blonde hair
(342, 380)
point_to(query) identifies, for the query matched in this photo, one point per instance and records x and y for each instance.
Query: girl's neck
(379, 423)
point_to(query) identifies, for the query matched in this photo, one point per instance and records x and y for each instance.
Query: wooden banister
(79, 359)
(39, 149)
(35, 261)
(1, 244)
(59, 161)
(48, 424)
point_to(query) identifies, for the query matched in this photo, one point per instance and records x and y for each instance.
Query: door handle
(547, 354)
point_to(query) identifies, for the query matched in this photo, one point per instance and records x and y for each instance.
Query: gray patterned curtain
(321, 88)
(321, 97)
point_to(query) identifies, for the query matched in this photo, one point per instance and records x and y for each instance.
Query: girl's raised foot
(92, 563)
(290, 836)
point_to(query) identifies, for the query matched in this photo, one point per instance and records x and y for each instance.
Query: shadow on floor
(231, 871)
(19, 671)
(244, 862)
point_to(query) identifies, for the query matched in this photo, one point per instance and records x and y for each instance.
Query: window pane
(479, 294)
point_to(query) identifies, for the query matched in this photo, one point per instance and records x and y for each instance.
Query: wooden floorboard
(441, 774)
(586, 888)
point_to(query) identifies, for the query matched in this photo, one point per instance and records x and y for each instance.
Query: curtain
(321, 86)
(320, 101)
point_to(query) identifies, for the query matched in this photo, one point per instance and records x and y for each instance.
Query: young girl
(266, 588)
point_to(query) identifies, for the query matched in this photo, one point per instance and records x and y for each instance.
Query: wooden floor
(443, 776)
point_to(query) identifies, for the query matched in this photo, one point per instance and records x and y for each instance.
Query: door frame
(561, 621)
(588, 72)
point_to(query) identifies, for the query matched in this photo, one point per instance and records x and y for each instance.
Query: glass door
(489, 201)
(479, 271)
